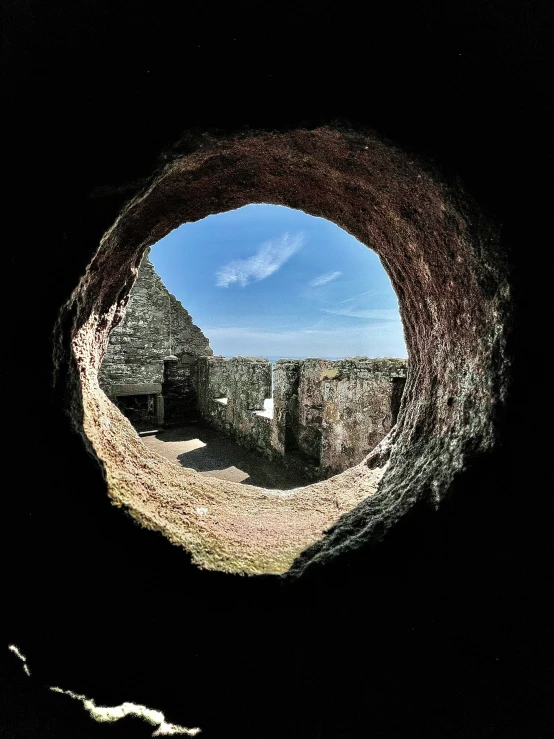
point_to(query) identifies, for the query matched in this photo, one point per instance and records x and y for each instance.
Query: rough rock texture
(212, 380)
(224, 525)
(350, 408)
(230, 392)
(286, 377)
(422, 228)
(248, 383)
(245, 383)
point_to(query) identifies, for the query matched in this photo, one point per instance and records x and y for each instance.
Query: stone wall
(325, 416)
(155, 326)
(212, 381)
(231, 395)
(359, 407)
(333, 413)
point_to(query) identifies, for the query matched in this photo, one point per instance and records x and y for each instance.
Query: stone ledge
(153, 388)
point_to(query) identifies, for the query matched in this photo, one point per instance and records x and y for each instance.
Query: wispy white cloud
(359, 306)
(365, 294)
(269, 258)
(374, 314)
(324, 279)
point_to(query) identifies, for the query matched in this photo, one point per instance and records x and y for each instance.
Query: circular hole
(269, 283)
(454, 328)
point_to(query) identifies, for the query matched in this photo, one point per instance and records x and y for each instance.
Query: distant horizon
(308, 356)
(265, 280)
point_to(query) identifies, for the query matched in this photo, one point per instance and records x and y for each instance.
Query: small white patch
(115, 713)
(436, 488)
(201, 510)
(268, 409)
(280, 493)
(324, 279)
(17, 653)
(22, 657)
(172, 729)
(106, 423)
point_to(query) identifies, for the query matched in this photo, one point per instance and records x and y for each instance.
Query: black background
(442, 631)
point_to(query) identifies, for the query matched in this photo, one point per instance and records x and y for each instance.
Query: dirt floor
(213, 455)
(185, 483)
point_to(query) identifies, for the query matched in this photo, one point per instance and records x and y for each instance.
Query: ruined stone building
(148, 367)
(319, 415)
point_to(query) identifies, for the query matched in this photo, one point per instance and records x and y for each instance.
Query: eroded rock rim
(452, 283)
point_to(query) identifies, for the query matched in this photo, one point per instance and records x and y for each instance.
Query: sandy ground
(214, 455)
(272, 514)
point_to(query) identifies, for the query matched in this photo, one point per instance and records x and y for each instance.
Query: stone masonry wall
(358, 398)
(212, 382)
(286, 378)
(327, 415)
(231, 394)
(306, 437)
(154, 326)
(333, 413)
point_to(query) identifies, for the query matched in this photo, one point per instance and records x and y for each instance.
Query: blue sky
(265, 280)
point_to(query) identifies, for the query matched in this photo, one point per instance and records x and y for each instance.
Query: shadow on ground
(207, 451)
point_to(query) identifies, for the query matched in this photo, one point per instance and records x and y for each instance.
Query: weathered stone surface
(152, 388)
(154, 325)
(244, 383)
(212, 381)
(307, 436)
(357, 409)
(249, 383)
(327, 415)
(286, 376)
